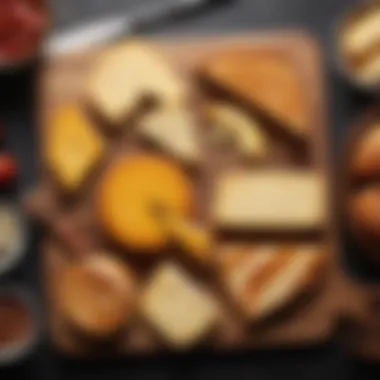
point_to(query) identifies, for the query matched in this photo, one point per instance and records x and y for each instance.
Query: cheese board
(294, 139)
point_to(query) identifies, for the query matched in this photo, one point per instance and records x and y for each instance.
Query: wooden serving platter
(310, 323)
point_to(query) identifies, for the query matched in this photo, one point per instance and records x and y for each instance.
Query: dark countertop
(17, 113)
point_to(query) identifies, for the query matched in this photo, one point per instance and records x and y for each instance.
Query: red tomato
(8, 169)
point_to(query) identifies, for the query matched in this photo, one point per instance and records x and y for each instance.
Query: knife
(103, 30)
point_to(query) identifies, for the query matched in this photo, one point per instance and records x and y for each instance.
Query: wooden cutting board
(314, 322)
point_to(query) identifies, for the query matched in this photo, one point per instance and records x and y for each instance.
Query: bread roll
(366, 155)
(364, 211)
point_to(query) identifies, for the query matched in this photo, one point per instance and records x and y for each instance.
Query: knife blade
(106, 29)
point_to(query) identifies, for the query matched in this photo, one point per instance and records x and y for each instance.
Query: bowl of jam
(23, 24)
(20, 324)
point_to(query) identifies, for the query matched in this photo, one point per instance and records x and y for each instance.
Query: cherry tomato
(8, 169)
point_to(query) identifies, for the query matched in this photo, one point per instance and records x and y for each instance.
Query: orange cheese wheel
(130, 192)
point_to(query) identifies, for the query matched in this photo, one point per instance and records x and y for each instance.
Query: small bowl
(15, 65)
(9, 261)
(21, 350)
(341, 62)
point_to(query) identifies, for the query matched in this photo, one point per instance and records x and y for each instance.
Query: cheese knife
(104, 30)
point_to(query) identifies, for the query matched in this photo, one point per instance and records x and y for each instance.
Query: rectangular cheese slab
(274, 200)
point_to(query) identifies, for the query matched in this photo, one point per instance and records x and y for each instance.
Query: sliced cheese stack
(263, 279)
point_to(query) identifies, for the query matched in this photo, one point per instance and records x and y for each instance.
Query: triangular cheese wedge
(174, 131)
(124, 75)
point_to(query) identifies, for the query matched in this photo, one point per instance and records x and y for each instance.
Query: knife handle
(162, 11)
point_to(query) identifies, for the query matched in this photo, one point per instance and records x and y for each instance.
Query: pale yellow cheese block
(122, 76)
(276, 200)
(179, 308)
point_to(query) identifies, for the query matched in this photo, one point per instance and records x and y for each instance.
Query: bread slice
(179, 308)
(265, 79)
(263, 279)
(175, 131)
(125, 74)
(270, 200)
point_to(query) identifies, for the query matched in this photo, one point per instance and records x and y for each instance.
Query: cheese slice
(72, 147)
(174, 130)
(245, 132)
(179, 308)
(125, 74)
(272, 200)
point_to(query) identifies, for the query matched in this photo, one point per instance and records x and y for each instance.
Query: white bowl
(10, 260)
(341, 63)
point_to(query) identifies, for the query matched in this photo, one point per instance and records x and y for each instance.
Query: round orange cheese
(130, 195)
